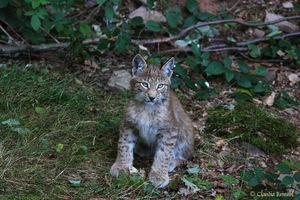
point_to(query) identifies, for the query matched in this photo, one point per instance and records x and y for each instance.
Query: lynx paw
(116, 169)
(159, 179)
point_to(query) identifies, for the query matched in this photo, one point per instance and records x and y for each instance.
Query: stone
(120, 79)
(284, 26)
(147, 15)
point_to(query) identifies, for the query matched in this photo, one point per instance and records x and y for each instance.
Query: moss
(254, 125)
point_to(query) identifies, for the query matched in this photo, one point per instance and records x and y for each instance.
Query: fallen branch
(212, 48)
(201, 24)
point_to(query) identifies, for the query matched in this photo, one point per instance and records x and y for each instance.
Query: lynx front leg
(124, 159)
(162, 159)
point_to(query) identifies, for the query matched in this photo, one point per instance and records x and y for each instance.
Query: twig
(15, 32)
(49, 34)
(200, 24)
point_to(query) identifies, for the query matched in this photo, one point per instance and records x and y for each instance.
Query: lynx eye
(145, 85)
(160, 86)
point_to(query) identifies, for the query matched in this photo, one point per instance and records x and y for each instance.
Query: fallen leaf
(269, 101)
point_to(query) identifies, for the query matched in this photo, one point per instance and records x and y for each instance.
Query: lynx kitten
(154, 124)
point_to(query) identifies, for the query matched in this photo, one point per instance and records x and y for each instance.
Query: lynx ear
(167, 69)
(138, 64)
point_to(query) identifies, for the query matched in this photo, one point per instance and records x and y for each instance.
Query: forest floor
(59, 131)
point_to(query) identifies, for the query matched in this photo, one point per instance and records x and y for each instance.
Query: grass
(40, 111)
(59, 137)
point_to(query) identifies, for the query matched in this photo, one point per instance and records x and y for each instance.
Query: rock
(147, 15)
(284, 26)
(271, 76)
(259, 33)
(288, 5)
(253, 150)
(269, 101)
(293, 78)
(120, 79)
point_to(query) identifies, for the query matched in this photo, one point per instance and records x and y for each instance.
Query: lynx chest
(148, 124)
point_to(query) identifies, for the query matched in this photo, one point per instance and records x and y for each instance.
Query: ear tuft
(138, 64)
(168, 68)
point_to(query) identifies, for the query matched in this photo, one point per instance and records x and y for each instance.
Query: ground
(59, 130)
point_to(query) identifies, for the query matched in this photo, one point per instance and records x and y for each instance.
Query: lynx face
(150, 84)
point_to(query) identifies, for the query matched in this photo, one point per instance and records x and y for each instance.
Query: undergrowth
(247, 123)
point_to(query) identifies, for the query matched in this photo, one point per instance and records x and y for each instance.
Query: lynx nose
(151, 98)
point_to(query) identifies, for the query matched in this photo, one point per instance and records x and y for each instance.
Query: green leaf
(136, 21)
(284, 44)
(75, 182)
(271, 176)
(103, 44)
(260, 87)
(196, 49)
(172, 19)
(244, 82)
(205, 55)
(229, 180)
(260, 71)
(4, 3)
(85, 29)
(203, 16)
(180, 71)
(82, 150)
(244, 91)
(258, 173)
(35, 22)
(229, 75)
(58, 148)
(191, 20)
(289, 99)
(11, 122)
(122, 41)
(287, 180)
(246, 175)
(153, 26)
(191, 5)
(296, 176)
(191, 61)
(175, 82)
(284, 168)
(215, 68)
(254, 51)
(297, 7)
(237, 193)
(193, 170)
(274, 30)
(243, 67)
(227, 62)
(191, 84)
(219, 197)
(253, 182)
(109, 11)
(39, 110)
(21, 131)
(150, 4)
(100, 2)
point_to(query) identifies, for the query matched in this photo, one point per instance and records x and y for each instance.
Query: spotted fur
(155, 123)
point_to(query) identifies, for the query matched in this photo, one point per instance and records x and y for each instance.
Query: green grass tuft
(250, 124)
